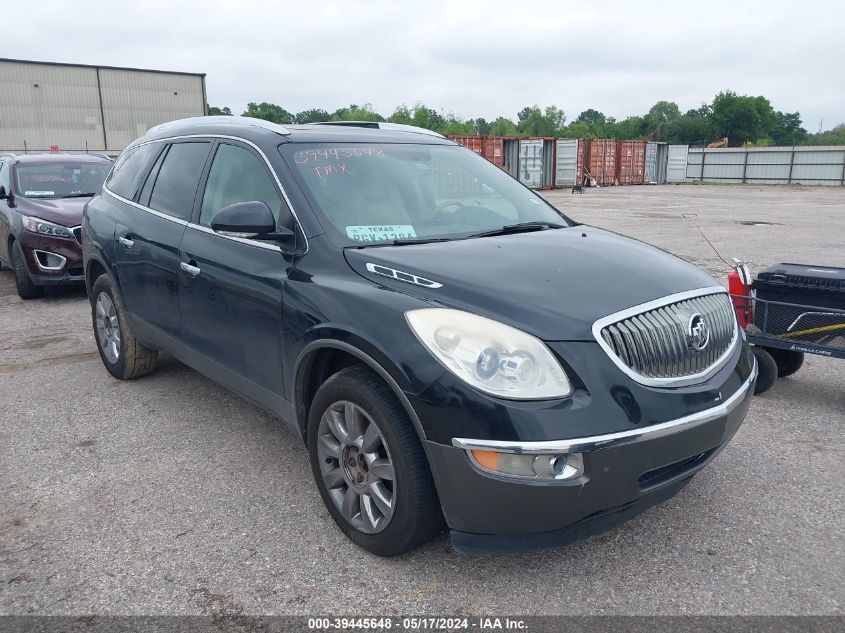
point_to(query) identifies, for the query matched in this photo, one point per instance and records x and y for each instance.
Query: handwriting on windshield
(306, 156)
(328, 170)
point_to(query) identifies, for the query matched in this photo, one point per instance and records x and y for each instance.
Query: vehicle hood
(64, 211)
(553, 284)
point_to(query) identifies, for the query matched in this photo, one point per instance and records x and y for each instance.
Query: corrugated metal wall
(676, 163)
(803, 165)
(45, 104)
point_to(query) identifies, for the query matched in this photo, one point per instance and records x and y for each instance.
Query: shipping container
(570, 162)
(630, 162)
(510, 151)
(76, 107)
(549, 162)
(676, 167)
(473, 143)
(493, 148)
(531, 162)
(656, 161)
(600, 161)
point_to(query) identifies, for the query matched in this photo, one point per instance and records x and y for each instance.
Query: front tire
(123, 356)
(23, 282)
(369, 465)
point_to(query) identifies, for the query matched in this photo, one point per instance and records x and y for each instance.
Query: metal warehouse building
(74, 107)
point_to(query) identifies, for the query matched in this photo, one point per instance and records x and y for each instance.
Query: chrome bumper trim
(598, 442)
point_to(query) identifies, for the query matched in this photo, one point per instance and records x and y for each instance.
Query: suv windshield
(60, 179)
(380, 193)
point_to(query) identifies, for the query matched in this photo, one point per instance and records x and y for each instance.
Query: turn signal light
(542, 467)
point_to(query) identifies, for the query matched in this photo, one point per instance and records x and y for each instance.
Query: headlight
(489, 355)
(42, 227)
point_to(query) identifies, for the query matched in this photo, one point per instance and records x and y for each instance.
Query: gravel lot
(171, 495)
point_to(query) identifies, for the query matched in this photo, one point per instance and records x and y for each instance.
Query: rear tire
(787, 360)
(123, 356)
(344, 450)
(767, 370)
(23, 282)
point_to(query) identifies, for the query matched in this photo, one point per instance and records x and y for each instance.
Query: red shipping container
(470, 142)
(630, 158)
(494, 150)
(600, 161)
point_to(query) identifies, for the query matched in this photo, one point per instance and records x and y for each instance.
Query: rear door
(231, 300)
(148, 235)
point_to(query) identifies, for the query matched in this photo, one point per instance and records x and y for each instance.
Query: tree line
(742, 119)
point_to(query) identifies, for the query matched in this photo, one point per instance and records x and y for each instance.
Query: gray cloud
(472, 58)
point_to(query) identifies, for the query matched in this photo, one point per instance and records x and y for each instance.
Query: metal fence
(800, 165)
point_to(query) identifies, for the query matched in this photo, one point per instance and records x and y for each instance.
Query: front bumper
(35, 248)
(624, 473)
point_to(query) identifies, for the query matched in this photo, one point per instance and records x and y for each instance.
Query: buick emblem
(698, 334)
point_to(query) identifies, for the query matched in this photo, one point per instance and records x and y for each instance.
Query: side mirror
(3, 194)
(251, 220)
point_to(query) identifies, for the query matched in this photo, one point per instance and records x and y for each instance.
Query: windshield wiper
(78, 195)
(522, 227)
(418, 240)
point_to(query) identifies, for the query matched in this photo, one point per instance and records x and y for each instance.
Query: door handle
(126, 242)
(192, 271)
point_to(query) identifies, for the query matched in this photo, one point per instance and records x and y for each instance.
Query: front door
(231, 290)
(148, 233)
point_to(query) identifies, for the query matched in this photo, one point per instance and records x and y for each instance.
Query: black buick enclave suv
(447, 343)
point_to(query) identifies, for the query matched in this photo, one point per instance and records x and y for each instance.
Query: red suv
(41, 202)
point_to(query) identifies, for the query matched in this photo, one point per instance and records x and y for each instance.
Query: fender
(300, 365)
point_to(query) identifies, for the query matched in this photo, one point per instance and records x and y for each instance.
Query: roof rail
(382, 125)
(221, 120)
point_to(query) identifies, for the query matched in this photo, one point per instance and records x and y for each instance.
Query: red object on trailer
(739, 287)
(600, 161)
(630, 160)
(494, 150)
(475, 143)
(54, 149)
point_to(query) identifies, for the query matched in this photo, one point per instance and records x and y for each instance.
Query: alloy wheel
(356, 467)
(108, 328)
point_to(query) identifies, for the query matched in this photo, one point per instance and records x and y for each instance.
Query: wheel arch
(322, 358)
(94, 267)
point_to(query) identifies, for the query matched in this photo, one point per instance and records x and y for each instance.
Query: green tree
(834, 136)
(741, 118)
(482, 126)
(533, 121)
(215, 111)
(268, 112)
(357, 113)
(503, 127)
(788, 130)
(693, 128)
(661, 114)
(591, 117)
(313, 115)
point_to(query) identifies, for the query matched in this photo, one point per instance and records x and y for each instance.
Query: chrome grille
(77, 234)
(653, 344)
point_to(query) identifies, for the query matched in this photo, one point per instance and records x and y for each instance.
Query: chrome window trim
(692, 379)
(611, 440)
(203, 228)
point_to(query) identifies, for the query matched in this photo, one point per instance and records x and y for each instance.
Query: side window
(130, 168)
(237, 175)
(147, 189)
(177, 180)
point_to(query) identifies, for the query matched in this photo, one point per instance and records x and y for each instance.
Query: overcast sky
(472, 58)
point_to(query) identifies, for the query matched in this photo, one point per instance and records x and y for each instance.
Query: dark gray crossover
(449, 345)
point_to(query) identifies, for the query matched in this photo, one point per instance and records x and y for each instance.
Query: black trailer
(790, 310)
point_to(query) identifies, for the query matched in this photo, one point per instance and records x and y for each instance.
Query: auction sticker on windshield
(380, 232)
